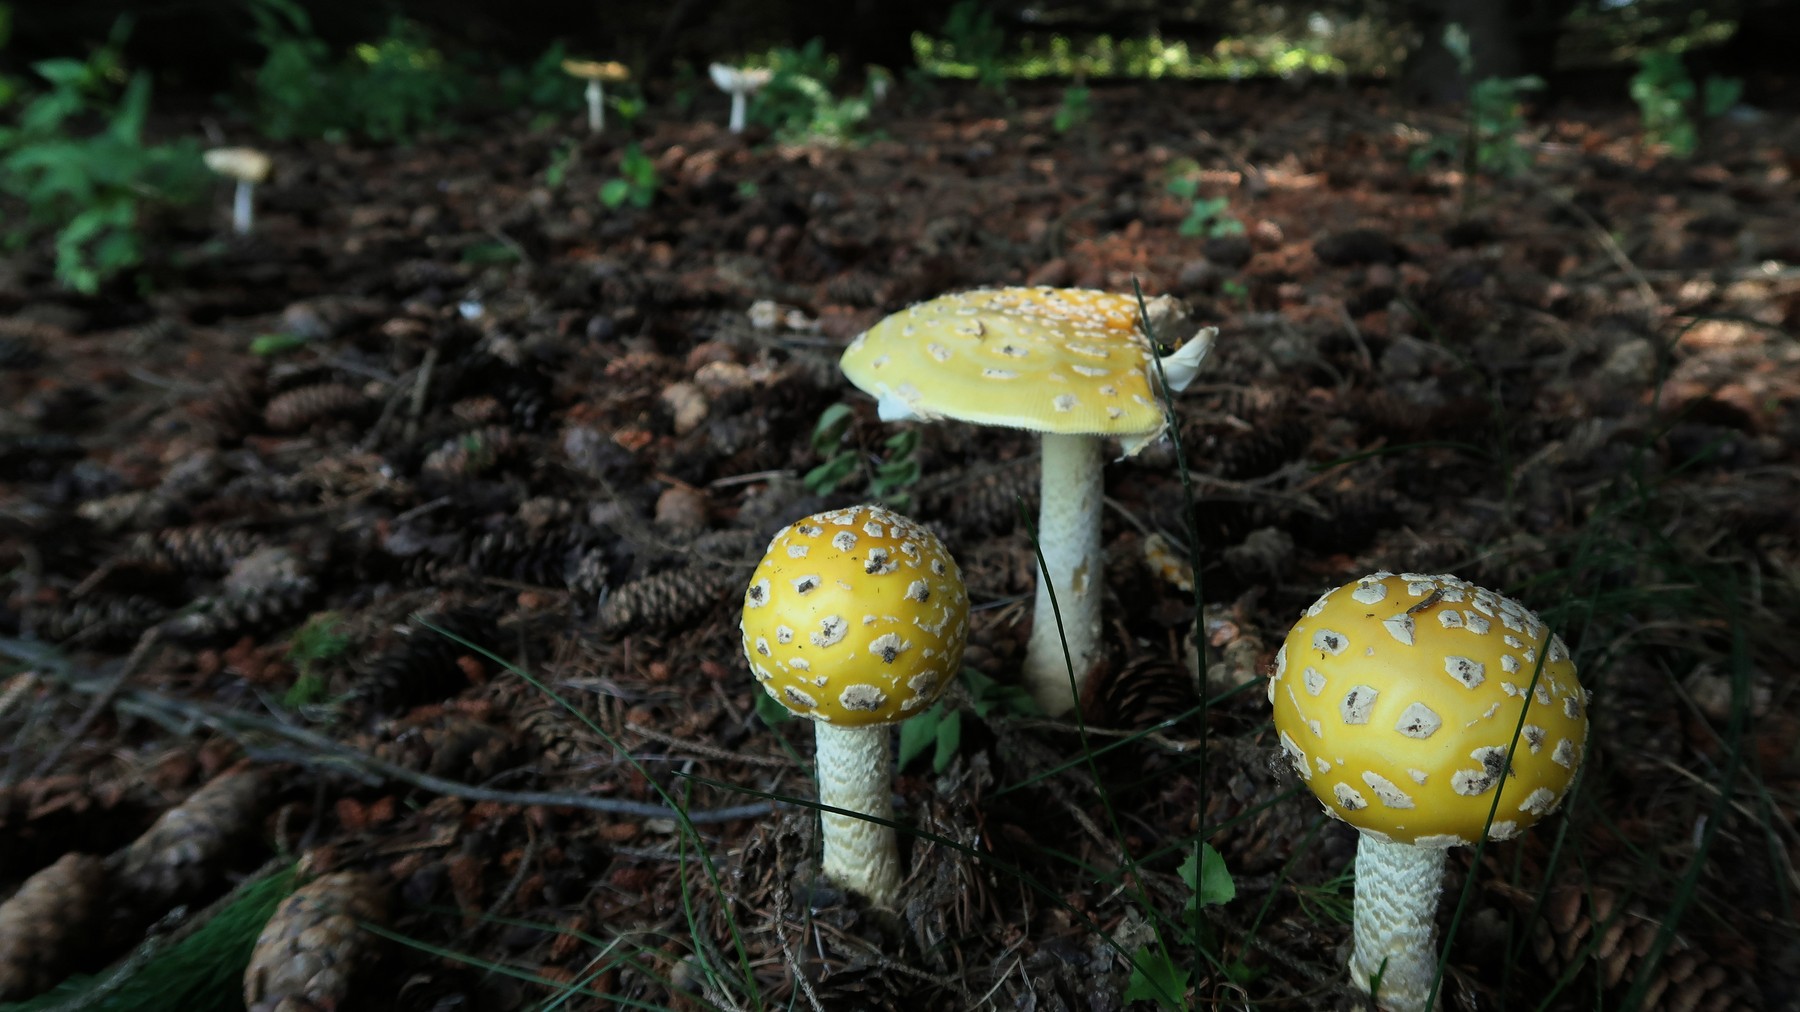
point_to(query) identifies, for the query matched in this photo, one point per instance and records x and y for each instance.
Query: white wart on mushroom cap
(855, 617)
(1396, 698)
(1059, 360)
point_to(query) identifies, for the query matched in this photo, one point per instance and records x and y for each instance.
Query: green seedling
(1076, 108)
(636, 182)
(1666, 98)
(269, 345)
(320, 639)
(889, 479)
(1155, 975)
(1205, 216)
(1492, 122)
(557, 172)
(939, 729)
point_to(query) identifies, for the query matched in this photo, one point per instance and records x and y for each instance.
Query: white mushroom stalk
(596, 101)
(855, 619)
(740, 83)
(1071, 364)
(1397, 699)
(246, 166)
(597, 75)
(856, 773)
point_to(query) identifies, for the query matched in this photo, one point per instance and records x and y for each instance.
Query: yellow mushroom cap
(610, 72)
(246, 165)
(1063, 360)
(855, 617)
(1396, 698)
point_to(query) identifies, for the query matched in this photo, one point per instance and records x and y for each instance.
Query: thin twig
(321, 751)
(709, 751)
(107, 694)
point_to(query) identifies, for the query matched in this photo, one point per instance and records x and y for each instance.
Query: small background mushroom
(248, 167)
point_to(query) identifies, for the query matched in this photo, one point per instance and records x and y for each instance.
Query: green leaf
(614, 191)
(1206, 875)
(275, 344)
(1156, 977)
(918, 734)
(824, 479)
(949, 739)
(771, 711)
(828, 431)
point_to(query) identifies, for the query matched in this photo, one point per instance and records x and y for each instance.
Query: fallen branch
(319, 751)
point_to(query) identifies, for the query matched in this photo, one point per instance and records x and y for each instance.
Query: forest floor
(562, 433)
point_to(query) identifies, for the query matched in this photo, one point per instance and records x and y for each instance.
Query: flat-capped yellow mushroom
(247, 166)
(1396, 698)
(855, 619)
(597, 75)
(1072, 364)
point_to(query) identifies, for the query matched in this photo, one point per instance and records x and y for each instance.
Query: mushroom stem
(856, 773)
(1069, 537)
(596, 100)
(1397, 887)
(739, 103)
(240, 207)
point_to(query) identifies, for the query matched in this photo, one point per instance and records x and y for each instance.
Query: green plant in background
(976, 42)
(1491, 123)
(1076, 108)
(636, 182)
(939, 729)
(798, 101)
(890, 479)
(386, 90)
(542, 86)
(90, 190)
(1666, 98)
(1205, 217)
(557, 172)
(320, 639)
(9, 86)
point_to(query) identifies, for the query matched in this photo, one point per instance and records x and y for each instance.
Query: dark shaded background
(204, 46)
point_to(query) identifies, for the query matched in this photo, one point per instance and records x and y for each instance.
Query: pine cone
(312, 946)
(43, 922)
(297, 409)
(665, 599)
(102, 619)
(200, 549)
(178, 855)
(1686, 980)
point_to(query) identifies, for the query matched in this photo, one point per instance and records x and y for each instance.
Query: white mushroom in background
(855, 619)
(1397, 698)
(248, 167)
(740, 83)
(1070, 363)
(597, 75)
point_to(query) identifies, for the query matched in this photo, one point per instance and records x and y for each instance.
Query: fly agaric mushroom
(597, 75)
(740, 83)
(855, 619)
(1397, 698)
(248, 167)
(1070, 363)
